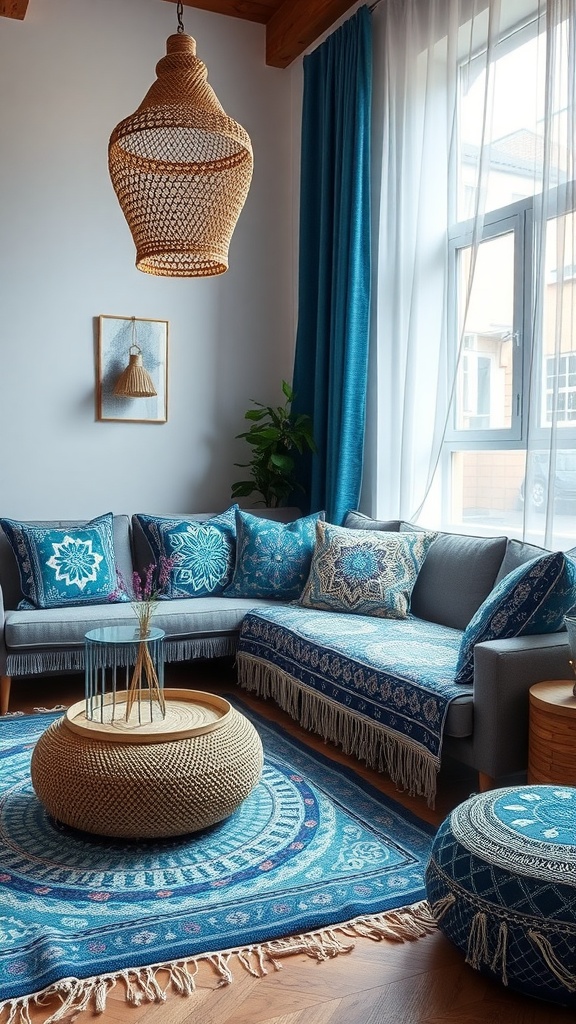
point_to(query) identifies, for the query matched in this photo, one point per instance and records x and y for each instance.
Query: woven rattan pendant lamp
(134, 381)
(181, 169)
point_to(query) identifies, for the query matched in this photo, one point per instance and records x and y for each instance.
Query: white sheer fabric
(472, 403)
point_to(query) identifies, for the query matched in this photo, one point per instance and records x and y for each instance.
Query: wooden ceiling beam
(291, 25)
(249, 10)
(297, 24)
(13, 9)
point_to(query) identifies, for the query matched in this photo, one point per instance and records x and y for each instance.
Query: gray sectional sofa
(485, 725)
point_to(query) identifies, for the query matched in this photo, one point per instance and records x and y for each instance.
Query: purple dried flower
(120, 590)
(166, 566)
(148, 588)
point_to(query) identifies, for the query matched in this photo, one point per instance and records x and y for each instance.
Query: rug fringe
(142, 984)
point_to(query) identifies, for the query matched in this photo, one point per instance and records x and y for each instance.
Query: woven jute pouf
(148, 787)
(501, 882)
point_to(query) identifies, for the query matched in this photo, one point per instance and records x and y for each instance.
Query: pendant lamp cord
(179, 13)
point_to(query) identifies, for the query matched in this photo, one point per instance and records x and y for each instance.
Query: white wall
(68, 73)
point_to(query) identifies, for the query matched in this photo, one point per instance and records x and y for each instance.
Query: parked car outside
(536, 482)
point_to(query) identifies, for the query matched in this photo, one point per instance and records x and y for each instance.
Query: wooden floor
(422, 982)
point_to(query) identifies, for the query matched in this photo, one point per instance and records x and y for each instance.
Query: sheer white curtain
(472, 401)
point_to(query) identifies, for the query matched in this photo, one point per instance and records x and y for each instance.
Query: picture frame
(118, 337)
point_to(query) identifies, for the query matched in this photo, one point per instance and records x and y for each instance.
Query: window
(487, 372)
(513, 311)
(560, 390)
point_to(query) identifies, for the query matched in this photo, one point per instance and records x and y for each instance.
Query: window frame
(509, 219)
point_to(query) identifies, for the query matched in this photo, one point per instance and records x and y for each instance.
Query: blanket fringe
(410, 768)
(148, 984)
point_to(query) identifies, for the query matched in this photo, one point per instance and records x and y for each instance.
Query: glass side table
(124, 675)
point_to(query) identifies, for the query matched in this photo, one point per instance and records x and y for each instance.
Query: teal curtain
(330, 366)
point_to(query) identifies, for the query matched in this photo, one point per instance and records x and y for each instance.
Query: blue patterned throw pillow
(70, 565)
(272, 559)
(534, 598)
(363, 571)
(202, 551)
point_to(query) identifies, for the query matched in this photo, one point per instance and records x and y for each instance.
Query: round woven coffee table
(168, 777)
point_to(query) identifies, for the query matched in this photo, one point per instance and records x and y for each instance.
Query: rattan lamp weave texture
(181, 169)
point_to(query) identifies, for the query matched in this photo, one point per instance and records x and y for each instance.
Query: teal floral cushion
(363, 571)
(272, 559)
(534, 598)
(70, 565)
(202, 552)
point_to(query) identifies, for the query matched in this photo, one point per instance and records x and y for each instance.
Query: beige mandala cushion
(363, 571)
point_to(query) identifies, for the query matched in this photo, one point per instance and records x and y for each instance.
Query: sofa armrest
(504, 671)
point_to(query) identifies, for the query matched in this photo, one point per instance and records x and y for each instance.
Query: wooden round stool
(552, 736)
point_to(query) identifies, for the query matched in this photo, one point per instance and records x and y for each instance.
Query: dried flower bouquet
(147, 589)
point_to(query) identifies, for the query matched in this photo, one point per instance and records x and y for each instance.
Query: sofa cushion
(142, 552)
(518, 552)
(272, 558)
(367, 572)
(203, 553)
(72, 565)
(10, 576)
(358, 521)
(57, 628)
(457, 576)
(534, 598)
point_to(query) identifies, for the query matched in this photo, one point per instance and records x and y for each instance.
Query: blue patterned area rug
(313, 858)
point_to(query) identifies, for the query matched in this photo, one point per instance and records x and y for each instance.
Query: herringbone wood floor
(423, 982)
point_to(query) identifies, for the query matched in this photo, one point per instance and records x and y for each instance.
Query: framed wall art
(132, 369)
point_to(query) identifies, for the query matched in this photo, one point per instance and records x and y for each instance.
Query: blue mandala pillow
(70, 565)
(534, 598)
(202, 551)
(363, 571)
(272, 559)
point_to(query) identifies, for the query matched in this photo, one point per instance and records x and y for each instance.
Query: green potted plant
(276, 435)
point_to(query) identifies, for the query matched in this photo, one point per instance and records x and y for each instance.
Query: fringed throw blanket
(380, 688)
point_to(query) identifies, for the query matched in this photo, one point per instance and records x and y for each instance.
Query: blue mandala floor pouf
(501, 882)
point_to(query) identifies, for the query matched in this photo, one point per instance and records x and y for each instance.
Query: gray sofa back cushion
(10, 577)
(458, 574)
(517, 553)
(358, 521)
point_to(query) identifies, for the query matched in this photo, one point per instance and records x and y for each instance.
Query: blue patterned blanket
(380, 688)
